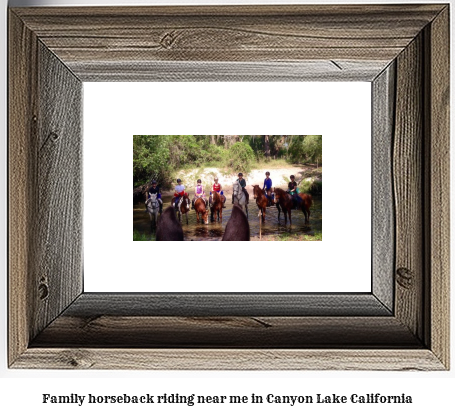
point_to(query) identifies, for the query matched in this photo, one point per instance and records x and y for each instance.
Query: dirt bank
(279, 176)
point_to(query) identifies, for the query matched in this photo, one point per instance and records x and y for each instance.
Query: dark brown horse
(169, 228)
(201, 209)
(237, 228)
(261, 200)
(286, 202)
(216, 207)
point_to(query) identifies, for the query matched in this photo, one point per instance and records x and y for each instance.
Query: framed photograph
(401, 323)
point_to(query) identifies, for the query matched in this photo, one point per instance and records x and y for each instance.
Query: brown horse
(237, 228)
(169, 229)
(201, 209)
(286, 202)
(261, 200)
(216, 207)
(183, 207)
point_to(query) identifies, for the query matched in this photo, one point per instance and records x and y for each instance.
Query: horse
(201, 209)
(284, 200)
(183, 206)
(153, 206)
(237, 228)
(239, 197)
(216, 207)
(169, 228)
(261, 200)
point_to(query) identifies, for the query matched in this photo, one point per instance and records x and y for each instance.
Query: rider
(155, 190)
(293, 191)
(178, 192)
(268, 187)
(199, 193)
(242, 183)
(216, 187)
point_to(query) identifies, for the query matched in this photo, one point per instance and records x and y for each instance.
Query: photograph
(227, 187)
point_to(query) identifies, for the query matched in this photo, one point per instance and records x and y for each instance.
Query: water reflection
(214, 231)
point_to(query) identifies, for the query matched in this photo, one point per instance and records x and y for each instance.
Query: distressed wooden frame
(403, 324)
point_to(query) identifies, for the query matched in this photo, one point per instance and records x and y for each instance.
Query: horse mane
(259, 189)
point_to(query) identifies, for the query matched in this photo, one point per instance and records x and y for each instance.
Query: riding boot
(224, 203)
(192, 204)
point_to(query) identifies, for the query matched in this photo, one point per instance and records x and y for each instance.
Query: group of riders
(199, 192)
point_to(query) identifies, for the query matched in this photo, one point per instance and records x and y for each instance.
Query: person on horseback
(242, 183)
(268, 187)
(179, 192)
(293, 190)
(216, 187)
(155, 190)
(199, 193)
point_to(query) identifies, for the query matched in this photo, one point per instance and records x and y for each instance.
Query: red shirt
(216, 187)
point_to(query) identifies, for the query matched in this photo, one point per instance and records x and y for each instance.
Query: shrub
(240, 157)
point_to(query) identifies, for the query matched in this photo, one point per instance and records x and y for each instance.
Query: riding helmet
(178, 180)
(240, 174)
(267, 172)
(153, 181)
(292, 177)
(199, 180)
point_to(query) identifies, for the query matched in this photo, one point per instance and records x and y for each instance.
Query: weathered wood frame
(403, 50)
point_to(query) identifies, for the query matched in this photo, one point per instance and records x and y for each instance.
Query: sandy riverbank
(279, 176)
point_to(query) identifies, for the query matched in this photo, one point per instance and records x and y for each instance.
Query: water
(214, 230)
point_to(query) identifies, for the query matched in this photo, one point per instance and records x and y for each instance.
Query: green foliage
(158, 157)
(306, 149)
(137, 236)
(314, 187)
(240, 157)
(151, 157)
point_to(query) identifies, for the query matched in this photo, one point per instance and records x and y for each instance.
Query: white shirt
(179, 188)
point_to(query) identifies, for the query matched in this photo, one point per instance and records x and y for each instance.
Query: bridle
(153, 202)
(237, 191)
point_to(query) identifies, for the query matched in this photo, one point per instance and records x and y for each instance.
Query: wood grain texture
(383, 214)
(408, 188)
(89, 305)
(438, 254)
(227, 34)
(22, 94)
(256, 332)
(309, 71)
(58, 190)
(235, 359)
(53, 49)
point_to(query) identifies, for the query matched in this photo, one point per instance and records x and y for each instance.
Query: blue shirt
(267, 184)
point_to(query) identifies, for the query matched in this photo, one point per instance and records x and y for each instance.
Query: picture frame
(402, 324)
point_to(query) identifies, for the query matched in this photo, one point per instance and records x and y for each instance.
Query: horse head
(256, 191)
(169, 228)
(201, 209)
(152, 202)
(237, 228)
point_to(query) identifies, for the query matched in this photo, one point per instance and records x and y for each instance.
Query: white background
(340, 111)
(20, 391)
